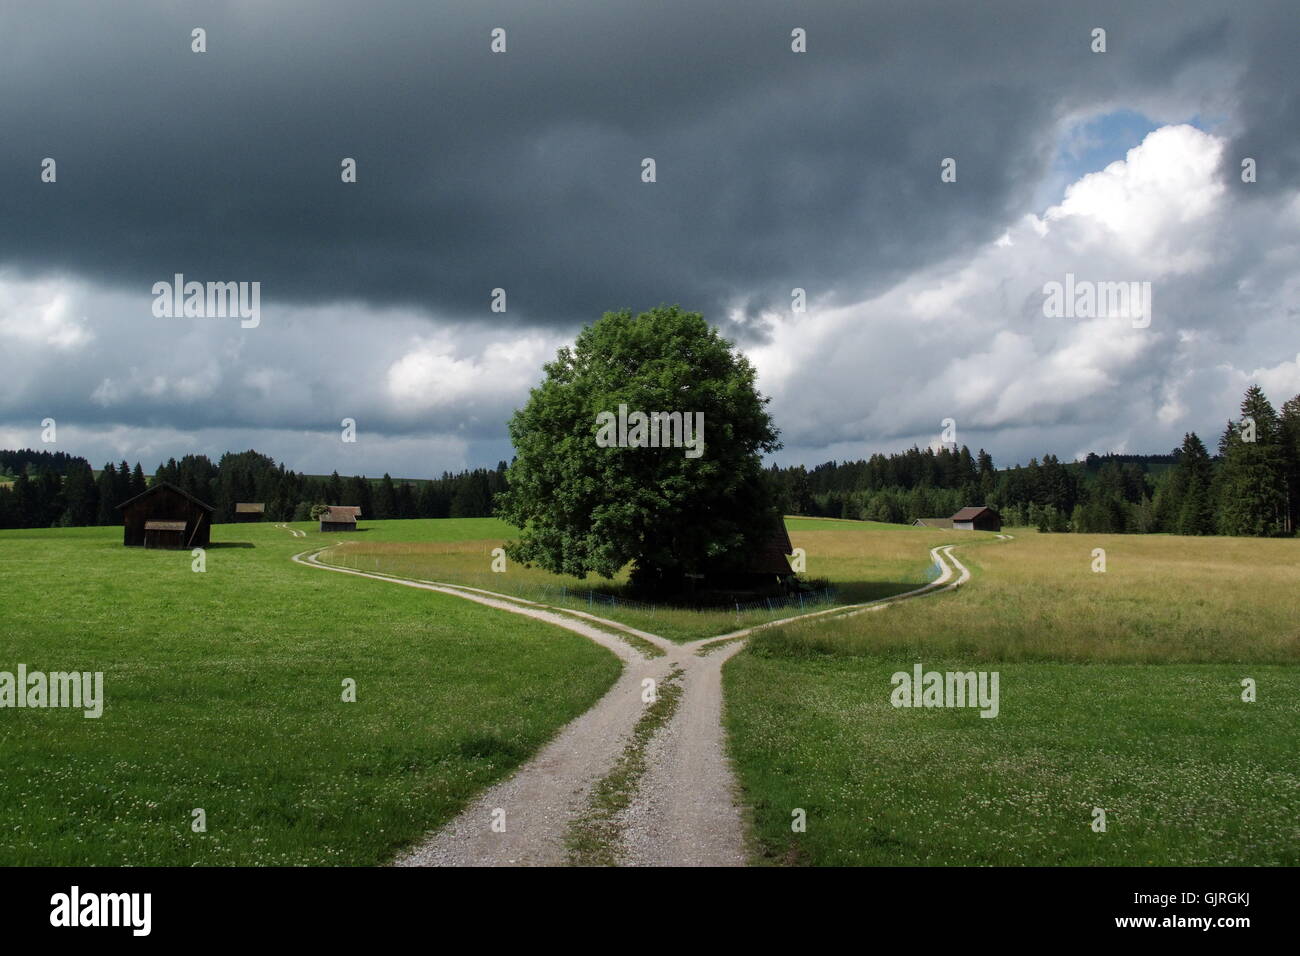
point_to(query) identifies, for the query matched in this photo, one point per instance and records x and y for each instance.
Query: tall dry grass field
(1161, 599)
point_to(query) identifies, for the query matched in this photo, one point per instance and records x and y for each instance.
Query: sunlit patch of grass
(1120, 690)
(864, 561)
(223, 691)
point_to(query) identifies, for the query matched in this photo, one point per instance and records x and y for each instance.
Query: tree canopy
(585, 506)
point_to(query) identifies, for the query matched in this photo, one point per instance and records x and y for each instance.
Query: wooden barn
(163, 516)
(977, 519)
(250, 511)
(765, 569)
(932, 523)
(340, 518)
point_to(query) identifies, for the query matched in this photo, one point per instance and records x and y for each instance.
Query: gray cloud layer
(522, 171)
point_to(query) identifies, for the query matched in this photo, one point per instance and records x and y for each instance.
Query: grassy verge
(1120, 691)
(223, 693)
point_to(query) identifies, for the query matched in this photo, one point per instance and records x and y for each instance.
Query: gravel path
(685, 810)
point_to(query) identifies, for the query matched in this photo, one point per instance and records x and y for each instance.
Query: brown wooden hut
(340, 518)
(163, 516)
(977, 519)
(165, 534)
(249, 511)
(764, 568)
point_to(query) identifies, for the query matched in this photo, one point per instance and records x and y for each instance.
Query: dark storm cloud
(522, 170)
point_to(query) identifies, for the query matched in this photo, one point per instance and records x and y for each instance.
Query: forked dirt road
(683, 810)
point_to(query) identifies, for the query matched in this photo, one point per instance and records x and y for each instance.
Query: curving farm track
(684, 810)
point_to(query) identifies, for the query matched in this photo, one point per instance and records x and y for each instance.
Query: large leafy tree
(584, 508)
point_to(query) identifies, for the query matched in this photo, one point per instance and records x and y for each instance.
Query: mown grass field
(461, 553)
(1119, 690)
(223, 692)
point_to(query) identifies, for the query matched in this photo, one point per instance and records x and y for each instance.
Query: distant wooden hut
(340, 518)
(977, 519)
(765, 567)
(164, 516)
(932, 523)
(250, 511)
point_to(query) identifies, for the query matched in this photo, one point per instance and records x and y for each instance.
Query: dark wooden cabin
(164, 534)
(163, 516)
(250, 511)
(977, 519)
(765, 568)
(340, 518)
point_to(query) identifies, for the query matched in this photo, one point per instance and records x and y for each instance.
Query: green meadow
(224, 693)
(1119, 690)
(837, 554)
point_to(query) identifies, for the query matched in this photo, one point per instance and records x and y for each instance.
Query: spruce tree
(385, 498)
(1251, 489)
(1195, 477)
(138, 484)
(1289, 421)
(108, 500)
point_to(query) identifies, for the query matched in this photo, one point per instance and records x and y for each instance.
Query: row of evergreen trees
(55, 489)
(1251, 487)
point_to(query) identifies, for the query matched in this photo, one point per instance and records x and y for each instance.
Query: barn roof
(768, 557)
(970, 514)
(341, 513)
(933, 522)
(164, 526)
(249, 508)
(159, 486)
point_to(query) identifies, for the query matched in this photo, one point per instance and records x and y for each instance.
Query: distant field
(459, 551)
(1162, 598)
(224, 693)
(1119, 690)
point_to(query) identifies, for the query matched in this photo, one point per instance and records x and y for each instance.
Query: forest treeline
(1251, 486)
(54, 489)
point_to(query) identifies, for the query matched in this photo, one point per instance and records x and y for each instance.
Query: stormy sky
(522, 170)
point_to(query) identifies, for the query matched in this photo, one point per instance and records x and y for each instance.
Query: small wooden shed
(249, 511)
(977, 519)
(932, 523)
(765, 567)
(340, 518)
(164, 534)
(164, 516)
(769, 558)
